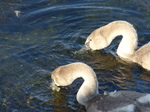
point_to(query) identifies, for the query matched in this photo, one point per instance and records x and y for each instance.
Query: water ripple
(47, 34)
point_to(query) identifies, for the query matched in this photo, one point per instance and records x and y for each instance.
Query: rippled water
(46, 34)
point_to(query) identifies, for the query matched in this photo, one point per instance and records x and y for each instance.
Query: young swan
(103, 36)
(88, 95)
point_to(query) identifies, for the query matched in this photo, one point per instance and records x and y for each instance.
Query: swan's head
(96, 41)
(61, 76)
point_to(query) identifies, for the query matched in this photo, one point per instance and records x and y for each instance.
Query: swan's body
(103, 36)
(121, 101)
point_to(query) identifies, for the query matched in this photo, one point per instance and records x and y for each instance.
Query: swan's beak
(54, 86)
(87, 46)
(84, 48)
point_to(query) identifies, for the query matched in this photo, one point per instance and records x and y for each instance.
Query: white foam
(128, 108)
(144, 99)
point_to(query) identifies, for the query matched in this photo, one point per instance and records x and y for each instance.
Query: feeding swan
(103, 36)
(88, 95)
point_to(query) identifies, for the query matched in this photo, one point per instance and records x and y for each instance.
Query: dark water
(46, 33)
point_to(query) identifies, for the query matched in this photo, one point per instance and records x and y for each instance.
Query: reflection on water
(47, 34)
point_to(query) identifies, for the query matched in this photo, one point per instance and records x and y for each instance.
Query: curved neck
(89, 88)
(128, 44)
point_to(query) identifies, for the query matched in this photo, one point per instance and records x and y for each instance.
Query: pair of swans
(88, 95)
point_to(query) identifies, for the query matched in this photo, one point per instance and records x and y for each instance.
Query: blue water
(46, 34)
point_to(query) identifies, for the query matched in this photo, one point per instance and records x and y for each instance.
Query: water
(46, 34)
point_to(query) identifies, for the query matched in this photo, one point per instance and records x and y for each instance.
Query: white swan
(103, 36)
(88, 95)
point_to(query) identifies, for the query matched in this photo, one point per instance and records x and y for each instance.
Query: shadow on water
(38, 36)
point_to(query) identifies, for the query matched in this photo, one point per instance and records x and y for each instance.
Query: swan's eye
(90, 39)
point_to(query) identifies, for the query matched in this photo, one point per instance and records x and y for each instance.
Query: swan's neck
(89, 88)
(128, 44)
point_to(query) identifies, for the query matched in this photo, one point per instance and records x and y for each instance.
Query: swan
(88, 94)
(103, 36)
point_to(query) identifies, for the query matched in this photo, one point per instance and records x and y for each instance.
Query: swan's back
(142, 56)
(121, 101)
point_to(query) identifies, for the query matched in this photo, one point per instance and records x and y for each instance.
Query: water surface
(38, 36)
